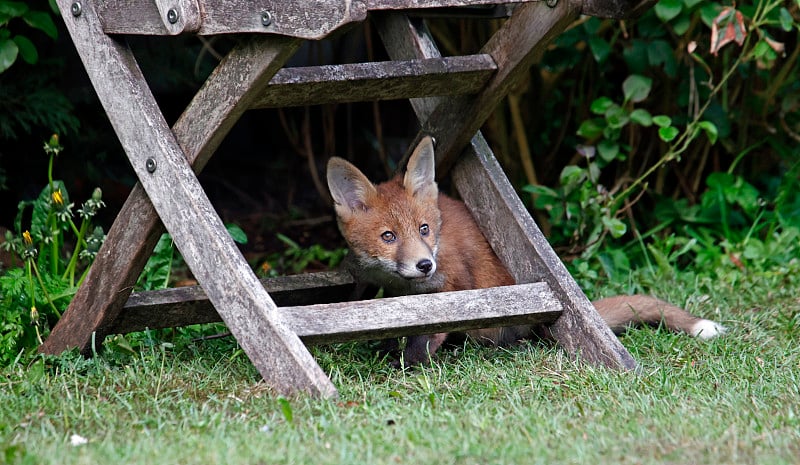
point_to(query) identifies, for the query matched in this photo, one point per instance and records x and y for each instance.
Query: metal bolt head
(76, 9)
(150, 165)
(172, 16)
(266, 18)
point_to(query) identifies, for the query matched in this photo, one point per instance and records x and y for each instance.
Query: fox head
(392, 229)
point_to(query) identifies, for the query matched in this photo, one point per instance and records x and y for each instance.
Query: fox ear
(350, 189)
(420, 176)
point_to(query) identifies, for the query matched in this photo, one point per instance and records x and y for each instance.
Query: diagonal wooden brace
(134, 234)
(167, 177)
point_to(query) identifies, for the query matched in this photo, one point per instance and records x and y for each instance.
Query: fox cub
(408, 238)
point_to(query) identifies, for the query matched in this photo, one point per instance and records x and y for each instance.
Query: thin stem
(44, 289)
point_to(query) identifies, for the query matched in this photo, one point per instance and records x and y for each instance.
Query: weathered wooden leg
(137, 229)
(508, 226)
(167, 177)
(483, 185)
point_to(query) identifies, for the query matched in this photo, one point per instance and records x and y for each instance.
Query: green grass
(731, 400)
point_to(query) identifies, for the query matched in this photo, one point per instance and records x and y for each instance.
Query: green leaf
(681, 24)
(236, 233)
(8, 53)
(668, 133)
(591, 128)
(668, 9)
(636, 88)
(26, 49)
(660, 53)
(601, 105)
(787, 22)
(642, 117)
(689, 4)
(286, 409)
(572, 175)
(710, 130)
(608, 150)
(662, 121)
(13, 9)
(600, 48)
(616, 117)
(43, 21)
(614, 226)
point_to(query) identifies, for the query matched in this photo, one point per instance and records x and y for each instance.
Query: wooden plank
(532, 303)
(176, 194)
(324, 323)
(513, 234)
(183, 306)
(305, 19)
(137, 228)
(359, 82)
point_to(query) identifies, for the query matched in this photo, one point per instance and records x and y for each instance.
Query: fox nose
(425, 265)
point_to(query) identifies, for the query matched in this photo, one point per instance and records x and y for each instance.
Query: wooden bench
(451, 97)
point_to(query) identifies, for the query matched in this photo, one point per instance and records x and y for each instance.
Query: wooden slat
(525, 252)
(423, 314)
(359, 82)
(532, 304)
(176, 194)
(183, 306)
(306, 19)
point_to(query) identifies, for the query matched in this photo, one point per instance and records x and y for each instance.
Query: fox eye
(424, 230)
(388, 236)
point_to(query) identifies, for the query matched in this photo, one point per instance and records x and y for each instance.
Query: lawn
(175, 399)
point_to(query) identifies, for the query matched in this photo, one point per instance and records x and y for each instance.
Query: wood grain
(323, 323)
(360, 82)
(525, 252)
(168, 308)
(137, 228)
(176, 194)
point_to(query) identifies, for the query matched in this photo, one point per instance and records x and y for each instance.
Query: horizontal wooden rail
(181, 306)
(304, 19)
(388, 80)
(344, 321)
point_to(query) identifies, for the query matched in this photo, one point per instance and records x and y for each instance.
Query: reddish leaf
(727, 27)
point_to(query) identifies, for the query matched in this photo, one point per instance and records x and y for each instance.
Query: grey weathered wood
(525, 252)
(359, 82)
(179, 16)
(322, 323)
(409, 39)
(306, 19)
(423, 314)
(183, 306)
(515, 47)
(137, 228)
(176, 194)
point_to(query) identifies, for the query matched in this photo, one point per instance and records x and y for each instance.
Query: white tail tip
(706, 329)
